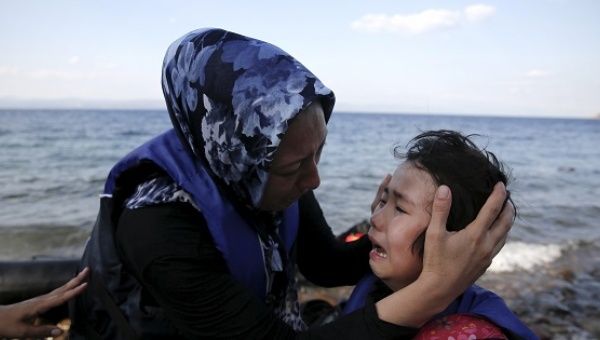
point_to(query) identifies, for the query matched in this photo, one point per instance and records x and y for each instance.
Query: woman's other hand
(17, 320)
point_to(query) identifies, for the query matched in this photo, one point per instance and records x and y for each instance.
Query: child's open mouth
(379, 251)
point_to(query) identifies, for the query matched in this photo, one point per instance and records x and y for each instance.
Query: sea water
(53, 164)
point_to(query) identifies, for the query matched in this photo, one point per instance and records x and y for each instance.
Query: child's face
(402, 215)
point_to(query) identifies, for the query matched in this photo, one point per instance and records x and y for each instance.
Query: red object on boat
(353, 236)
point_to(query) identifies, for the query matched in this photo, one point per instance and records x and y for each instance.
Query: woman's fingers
(490, 228)
(17, 320)
(500, 228)
(74, 282)
(503, 223)
(65, 296)
(62, 294)
(437, 246)
(499, 246)
(489, 212)
(457, 259)
(50, 301)
(441, 208)
(382, 186)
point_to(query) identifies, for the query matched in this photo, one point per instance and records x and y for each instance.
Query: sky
(508, 58)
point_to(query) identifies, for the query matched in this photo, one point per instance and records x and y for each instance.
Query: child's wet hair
(454, 160)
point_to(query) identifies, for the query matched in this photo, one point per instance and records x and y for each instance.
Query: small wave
(129, 133)
(566, 169)
(29, 179)
(524, 256)
(14, 196)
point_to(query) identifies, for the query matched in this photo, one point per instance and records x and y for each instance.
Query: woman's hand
(452, 260)
(455, 260)
(17, 320)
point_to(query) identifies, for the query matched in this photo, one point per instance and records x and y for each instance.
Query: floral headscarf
(231, 98)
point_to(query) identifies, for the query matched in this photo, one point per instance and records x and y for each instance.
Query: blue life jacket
(475, 301)
(117, 292)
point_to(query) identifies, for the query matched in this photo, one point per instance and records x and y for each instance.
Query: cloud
(73, 60)
(479, 12)
(536, 73)
(422, 22)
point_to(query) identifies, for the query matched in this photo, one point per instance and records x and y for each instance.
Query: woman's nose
(310, 179)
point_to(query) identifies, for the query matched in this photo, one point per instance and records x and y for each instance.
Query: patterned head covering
(231, 98)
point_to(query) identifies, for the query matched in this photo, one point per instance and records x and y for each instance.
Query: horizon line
(343, 111)
(73, 103)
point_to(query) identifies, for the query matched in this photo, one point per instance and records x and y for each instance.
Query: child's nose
(377, 218)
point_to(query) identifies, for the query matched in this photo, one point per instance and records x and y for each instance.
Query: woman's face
(403, 213)
(294, 168)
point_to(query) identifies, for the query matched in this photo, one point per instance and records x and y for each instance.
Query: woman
(200, 228)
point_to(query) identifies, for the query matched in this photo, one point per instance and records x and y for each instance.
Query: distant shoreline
(426, 114)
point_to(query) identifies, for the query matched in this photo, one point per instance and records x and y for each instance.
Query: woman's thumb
(441, 209)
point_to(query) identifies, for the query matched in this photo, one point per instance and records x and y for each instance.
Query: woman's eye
(382, 203)
(400, 210)
(287, 172)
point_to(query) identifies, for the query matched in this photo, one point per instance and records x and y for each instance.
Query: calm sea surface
(53, 165)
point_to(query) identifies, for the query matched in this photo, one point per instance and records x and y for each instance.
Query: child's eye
(382, 203)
